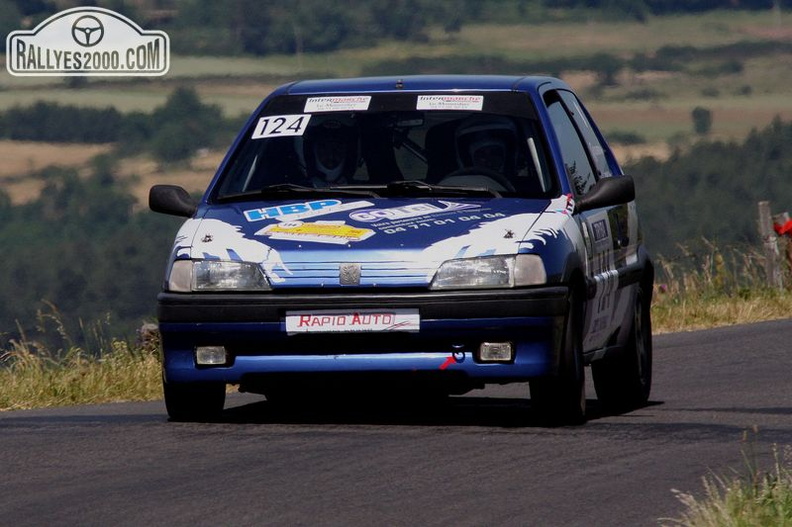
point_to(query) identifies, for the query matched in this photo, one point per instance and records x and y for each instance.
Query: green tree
(81, 248)
(702, 120)
(183, 125)
(607, 67)
(10, 20)
(711, 190)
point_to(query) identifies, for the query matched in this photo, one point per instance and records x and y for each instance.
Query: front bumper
(452, 326)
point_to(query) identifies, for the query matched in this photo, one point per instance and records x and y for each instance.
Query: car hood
(381, 242)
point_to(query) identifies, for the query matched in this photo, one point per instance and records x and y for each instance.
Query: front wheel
(623, 382)
(194, 401)
(561, 399)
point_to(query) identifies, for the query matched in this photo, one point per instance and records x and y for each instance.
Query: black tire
(561, 399)
(197, 402)
(623, 382)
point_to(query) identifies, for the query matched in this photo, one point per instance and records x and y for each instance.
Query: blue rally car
(436, 232)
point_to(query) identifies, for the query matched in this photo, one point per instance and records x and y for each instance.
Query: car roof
(421, 83)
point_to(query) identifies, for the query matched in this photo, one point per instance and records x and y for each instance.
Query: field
(655, 106)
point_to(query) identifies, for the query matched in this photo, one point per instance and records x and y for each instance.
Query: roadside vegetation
(751, 497)
(709, 286)
(47, 368)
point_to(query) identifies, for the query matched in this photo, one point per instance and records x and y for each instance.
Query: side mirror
(172, 199)
(607, 192)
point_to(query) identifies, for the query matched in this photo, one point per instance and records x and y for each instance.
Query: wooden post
(770, 245)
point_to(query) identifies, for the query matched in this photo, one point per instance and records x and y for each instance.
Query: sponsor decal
(87, 41)
(345, 103)
(563, 205)
(281, 126)
(408, 211)
(599, 230)
(322, 232)
(484, 239)
(450, 102)
(554, 222)
(352, 321)
(218, 240)
(299, 211)
(422, 222)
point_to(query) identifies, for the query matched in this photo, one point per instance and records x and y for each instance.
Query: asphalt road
(480, 460)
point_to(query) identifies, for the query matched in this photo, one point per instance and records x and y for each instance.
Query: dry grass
(194, 175)
(33, 376)
(692, 312)
(50, 369)
(715, 287)
(755, 498)
(22, 158)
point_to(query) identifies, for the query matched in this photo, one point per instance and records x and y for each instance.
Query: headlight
(491, 272)
(216, 275)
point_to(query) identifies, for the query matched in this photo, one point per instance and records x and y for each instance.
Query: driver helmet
(330, 152)
(488, 142)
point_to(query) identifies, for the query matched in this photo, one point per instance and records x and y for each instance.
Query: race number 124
(281, 126)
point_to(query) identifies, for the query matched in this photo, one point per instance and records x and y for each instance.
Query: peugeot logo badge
(349, 274)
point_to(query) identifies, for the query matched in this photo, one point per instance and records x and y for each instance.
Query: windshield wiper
(289, 189)
(421, 188)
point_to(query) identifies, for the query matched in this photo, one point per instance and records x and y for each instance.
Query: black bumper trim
(228, 307)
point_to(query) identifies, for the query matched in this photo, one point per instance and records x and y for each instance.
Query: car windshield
(477, 144)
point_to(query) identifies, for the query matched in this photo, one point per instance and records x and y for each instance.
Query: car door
(585, 161)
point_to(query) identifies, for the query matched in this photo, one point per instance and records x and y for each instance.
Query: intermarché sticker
(450, 102)
(339, 103)
(87, 41)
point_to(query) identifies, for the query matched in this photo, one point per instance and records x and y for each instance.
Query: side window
(596, 149)
(576, 160)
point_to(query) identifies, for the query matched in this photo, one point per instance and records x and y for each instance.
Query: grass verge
(711, 286)
(703, 310)
(754, 498)
(34, 377)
